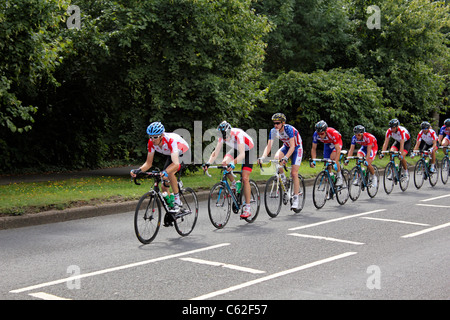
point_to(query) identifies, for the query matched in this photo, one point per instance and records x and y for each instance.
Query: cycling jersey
(368, 139)
(428, 137)
(331, 138)
(445, 131)
(238, 136)
(401, 133)
(288, 133)
(171, 143)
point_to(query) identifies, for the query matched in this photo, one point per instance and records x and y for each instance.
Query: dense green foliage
(73, 98)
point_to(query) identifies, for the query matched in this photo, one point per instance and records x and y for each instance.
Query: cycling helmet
(359, 129)
(321, 126)
(279, 117)
(394, 123)
(425, 125)
(447, 122)
(155, 129)
(224, 128)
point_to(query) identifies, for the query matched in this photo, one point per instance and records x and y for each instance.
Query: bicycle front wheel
(255, 201)
(273, 195)
(354, 184)
(342, 191)
(186, 219)
(404, 179)
(219, 205)
(419, 173)
(301, 195)
(147, 218)
(320, 190)
(372, 187)
(445, 170)
(389, 178)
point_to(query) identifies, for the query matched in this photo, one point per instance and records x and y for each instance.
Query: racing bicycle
(422, 170)
(279, 191)
(360, 179)
(222, 199)
(394, 173)
(147, 217)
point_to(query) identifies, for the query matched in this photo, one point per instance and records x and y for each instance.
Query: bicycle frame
(392, 156)
(424, 154)
(224, 180)
(362, 173)
(327, 163)
(279, 179)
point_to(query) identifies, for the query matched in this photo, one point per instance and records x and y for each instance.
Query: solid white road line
(324, 238)
(398, 221)
(224, 265)
(46, 296)
(337, 219)
(418, 233)
(432, 205)
(272, 276)
(431, 199)
(127, 266)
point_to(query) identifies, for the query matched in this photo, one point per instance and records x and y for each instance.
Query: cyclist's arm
(175, 165)
(267, 149)
(147, 164)
(216, 152)
(291, 148)
(369, 149)
(350, 151)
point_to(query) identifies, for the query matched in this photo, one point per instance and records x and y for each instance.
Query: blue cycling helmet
(224, 128)
(155, 129)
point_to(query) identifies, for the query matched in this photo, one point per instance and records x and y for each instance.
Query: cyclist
(241, 143)
(427, 140)
(369, 149)
(444, 133)
(173, 146)
(402, 142)
(332, 141)
(292, 148)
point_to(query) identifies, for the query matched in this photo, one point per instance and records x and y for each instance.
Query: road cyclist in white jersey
(427, 140)
(173, 146)
(292, 148)
(402, 142)
(241, 143)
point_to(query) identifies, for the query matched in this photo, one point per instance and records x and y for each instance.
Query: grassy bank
(23, 198)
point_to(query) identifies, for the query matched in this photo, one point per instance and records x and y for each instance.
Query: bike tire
(342, 192)
(445, 169)
(219, 205)
(147, 218)
(186, 219)
(434, 176)
(388, 179)
(419, 173)
(273, 196)
(255, 201)
(403, 182)
(321, 190)
(302, 195)
(355, 183)
(372, 191)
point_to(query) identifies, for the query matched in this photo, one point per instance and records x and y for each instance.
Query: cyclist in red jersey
(402, 142)
(173, 146)
(241, 142)
(369, 149)
(427, 140)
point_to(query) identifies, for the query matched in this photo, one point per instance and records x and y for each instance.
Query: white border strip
(334, 220)
(431, 199)
(272, 276)
(418, 233)
(324, 238)
(224, 265)
(127, 266)
(398, 221)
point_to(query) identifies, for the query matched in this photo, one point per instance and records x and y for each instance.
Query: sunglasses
(276, 123)
(154, 137)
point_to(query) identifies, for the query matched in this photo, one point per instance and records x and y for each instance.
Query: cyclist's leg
(296, 162)
(406, 148)
(280, 154)
(247, 168)
(227, 158)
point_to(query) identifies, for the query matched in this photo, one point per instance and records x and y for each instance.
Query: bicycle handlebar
(273, 161)
(151, 174)
(218, 167)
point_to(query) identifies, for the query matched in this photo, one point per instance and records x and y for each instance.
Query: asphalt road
(390, 247)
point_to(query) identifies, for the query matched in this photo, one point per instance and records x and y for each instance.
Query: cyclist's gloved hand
(346, 162)
(312, 164)
(206, 166)
(135, 172)
(230, 166)
(366, 163)
(413, 154)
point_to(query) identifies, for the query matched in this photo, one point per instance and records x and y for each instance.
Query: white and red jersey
(331, 138)
(368, 139)
(171, 143)
(401, 134)
(238, 136)
(428, 137)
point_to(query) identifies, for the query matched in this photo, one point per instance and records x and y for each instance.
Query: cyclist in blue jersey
(292, 148)
(444, 134)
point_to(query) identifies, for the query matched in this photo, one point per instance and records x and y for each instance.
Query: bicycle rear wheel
(354, 184)
(445, 169)
(404, 179)
(302, 194)
(389, 178)
(219, 205)
(342, 192)
(320, 190)
(372, 188)
(434, 176)
(147, 218)
(255, 201)
(419, 173)
(186, 219)
(273, 195)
